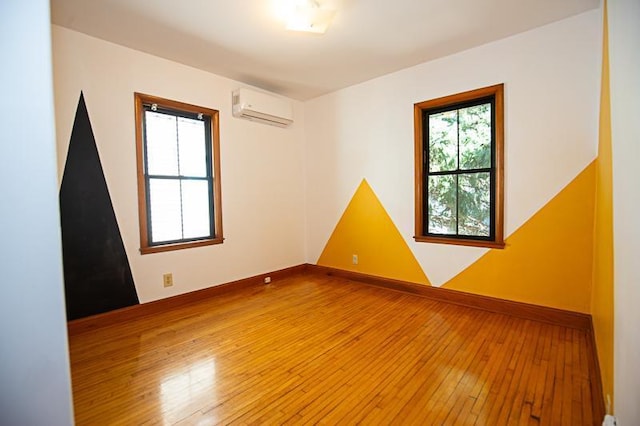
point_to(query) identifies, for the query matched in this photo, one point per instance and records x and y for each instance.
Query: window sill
(460, 242)
(180, 246)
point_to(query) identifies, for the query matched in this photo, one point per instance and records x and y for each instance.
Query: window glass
(178, 172)
(459, 168)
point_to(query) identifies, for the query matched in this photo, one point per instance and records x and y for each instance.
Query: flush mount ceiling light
(307, 15)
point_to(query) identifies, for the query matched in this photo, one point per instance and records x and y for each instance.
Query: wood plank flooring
(318, 349)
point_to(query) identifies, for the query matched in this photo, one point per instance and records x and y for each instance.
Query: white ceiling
(244, 39)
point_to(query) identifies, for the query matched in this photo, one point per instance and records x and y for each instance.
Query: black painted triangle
(97, 275)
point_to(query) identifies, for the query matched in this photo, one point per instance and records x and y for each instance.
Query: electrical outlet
(354, 259)
(167, 279)
(267, 280)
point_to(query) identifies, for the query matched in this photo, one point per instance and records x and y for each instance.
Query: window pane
(162, 148)
(475, 137)
(193, 159)
(165, 210)
(442, 204)
(443, 141)
(196, 208)
(474, 198)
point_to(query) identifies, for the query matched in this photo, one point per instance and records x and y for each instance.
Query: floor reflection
(182, 392)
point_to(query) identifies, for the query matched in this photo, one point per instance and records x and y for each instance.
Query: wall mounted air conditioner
(262, 107)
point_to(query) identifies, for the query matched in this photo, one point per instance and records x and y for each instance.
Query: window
(179, 198)
(459, 168)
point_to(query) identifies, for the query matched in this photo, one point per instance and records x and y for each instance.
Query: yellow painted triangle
(366, 230)
(548, 260)
(602, 301)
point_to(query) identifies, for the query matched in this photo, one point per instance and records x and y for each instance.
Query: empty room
(320, 212)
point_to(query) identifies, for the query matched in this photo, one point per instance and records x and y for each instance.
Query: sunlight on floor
(185, 387)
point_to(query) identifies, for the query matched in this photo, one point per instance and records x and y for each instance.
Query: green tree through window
(459, 168)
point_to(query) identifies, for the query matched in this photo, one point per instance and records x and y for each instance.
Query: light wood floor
(312, 349)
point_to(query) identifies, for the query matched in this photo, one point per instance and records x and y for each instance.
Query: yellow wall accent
(548, 260)
(602, 293)
(366, 229)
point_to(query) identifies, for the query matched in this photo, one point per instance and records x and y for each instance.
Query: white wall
(551, 76)
(624, 51)
(34, 374)
(262, 166)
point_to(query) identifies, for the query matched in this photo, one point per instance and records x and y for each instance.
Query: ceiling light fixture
(308, 16)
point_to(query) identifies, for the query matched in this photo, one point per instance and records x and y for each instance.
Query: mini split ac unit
(262, 107)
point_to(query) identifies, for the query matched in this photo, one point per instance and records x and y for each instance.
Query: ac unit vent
(262, 107)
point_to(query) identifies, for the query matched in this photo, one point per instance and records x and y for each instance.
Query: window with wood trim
(459, 143)
(178, 153)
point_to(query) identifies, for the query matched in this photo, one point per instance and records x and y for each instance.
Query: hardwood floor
(318, 349)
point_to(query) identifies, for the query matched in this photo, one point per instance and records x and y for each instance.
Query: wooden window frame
(497, 92)
(140, 100)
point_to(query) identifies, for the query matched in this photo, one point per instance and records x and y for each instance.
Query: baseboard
(131, 312)
(518, 309)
